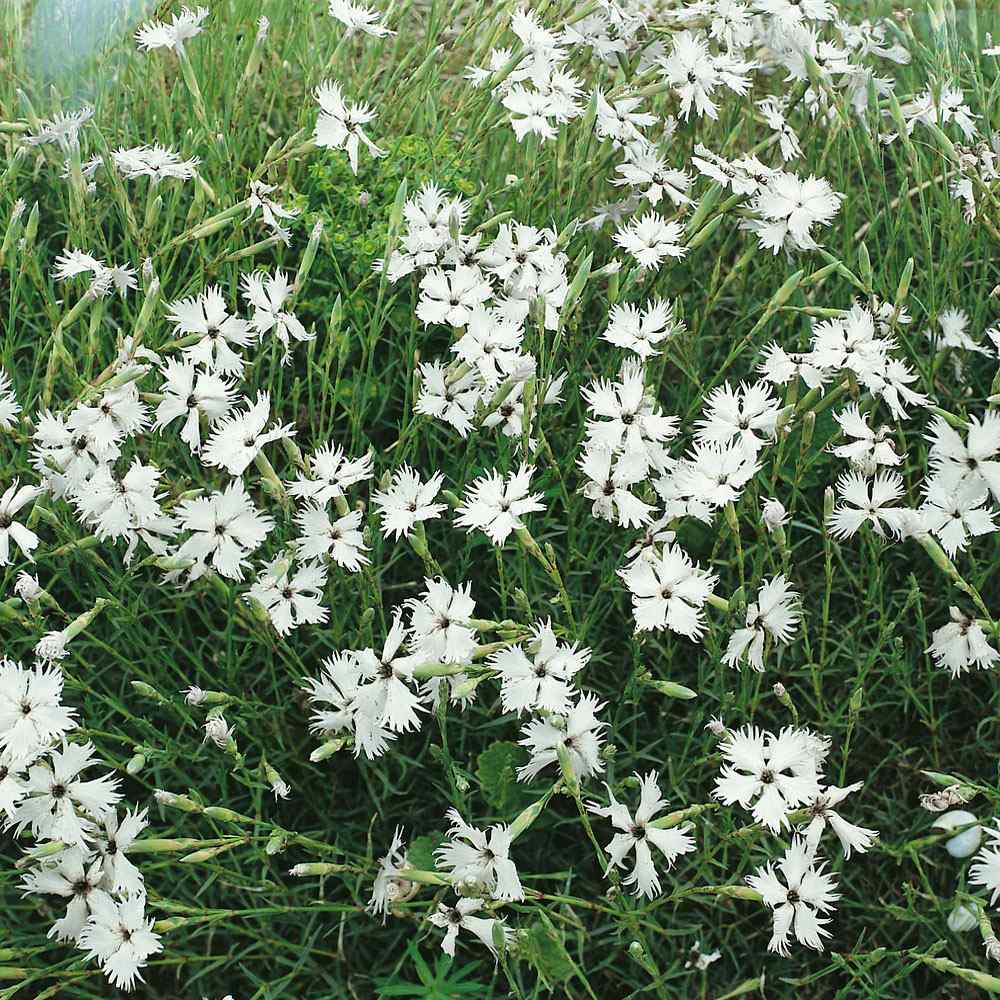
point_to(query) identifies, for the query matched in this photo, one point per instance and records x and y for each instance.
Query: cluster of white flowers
(48, 787)
(506, 292)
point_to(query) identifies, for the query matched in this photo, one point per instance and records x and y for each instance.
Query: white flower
(195, 395)
(821, 812)
(121, 938)
(767, 773)
(268, 294)
(867, 501)
(956, 514)
(491, 343)
(644, 168)
(520, 255)
(76, 877)
(113, 844)
(478, 860)
(340, 540)
(226, 527)
(961, 645)
(746, 415)
(357, 17)
(9, 406)
(985, 867)
(290, 599)
(128, 507)
(62, 129)
(206, 314)
(712, 474)
(451, 296)
(154, 162)
(669, 591)
(632, 422)
(271, 212)
(328, 474)
(577, 731)
(389, 886)
(639, 330)
(454, 402)
(60, 804)
(775, 613)
(159, 35)
(638, 832)
(460, 916)
(798, 901)
(495, 504)
(16, 497)
(339, 126)
(118, 414)
(954, 325)
(386, 700)
(407, 501)
(609, 488)
(545, 680)
(439, 622)
(71, 263)
(31, 709)
(51, 647)
(870, 448)
(651, 239)
(975, 459)
(219, 732)
(787, 208)
(239, 436)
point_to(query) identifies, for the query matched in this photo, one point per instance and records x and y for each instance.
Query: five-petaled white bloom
(985, 867)
(651, 239)
(636, 833)
(407, 502)
(480, 861)
(206, 314)
(340, 126)
(867, 501)
(775, 613)
(451, 296)
(461, 916)
(194, 395)
(769, 773)
(577, 732)
(340, 539)
(640, 330)
(184, 25)
(439, 622)
(797, 899)
(9, 406)
(290, 598)
(238, 437)
(822, 811)
(961, 644)
(669, 591)
(31, 710)
(357, 17)
(390, 884)
(121, 938)
(539, 674)
(225, 527)
(495, 504)
(268, 295)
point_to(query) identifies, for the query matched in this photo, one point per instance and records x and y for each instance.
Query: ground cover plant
(499, 500)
